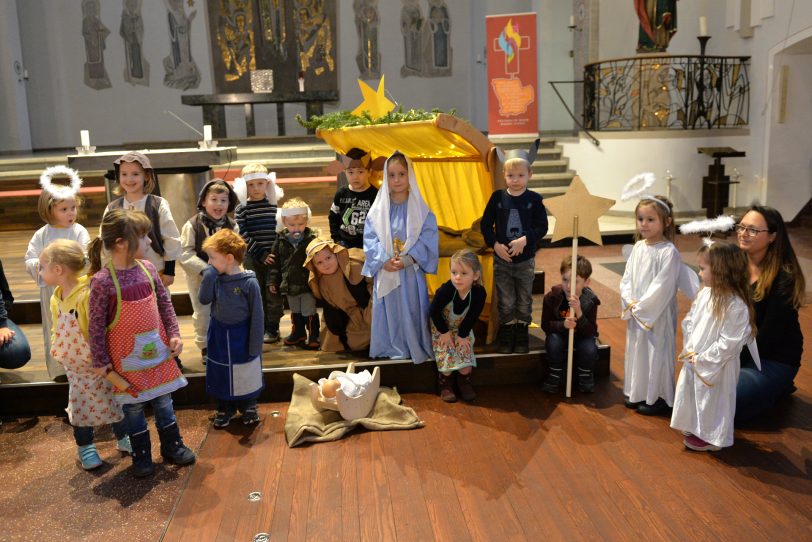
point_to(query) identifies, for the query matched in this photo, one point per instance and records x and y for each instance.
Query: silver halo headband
(259, 175)
(58, 191)
(657, 200)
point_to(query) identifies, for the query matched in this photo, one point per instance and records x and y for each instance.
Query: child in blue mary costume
(401, 246)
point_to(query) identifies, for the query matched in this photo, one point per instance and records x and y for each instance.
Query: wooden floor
(515, 465)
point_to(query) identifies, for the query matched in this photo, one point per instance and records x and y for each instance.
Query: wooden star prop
(375, 101)
(577, 201)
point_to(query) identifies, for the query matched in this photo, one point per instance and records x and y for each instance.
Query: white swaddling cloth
(352, 384)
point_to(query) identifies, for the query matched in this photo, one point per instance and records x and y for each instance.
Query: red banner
(512, 74)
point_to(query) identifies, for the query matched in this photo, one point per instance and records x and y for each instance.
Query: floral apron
(139, 349)
(90, 396)
(450, 359)
(230, 374)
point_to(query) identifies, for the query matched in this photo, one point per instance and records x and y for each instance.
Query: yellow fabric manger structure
(453, 163)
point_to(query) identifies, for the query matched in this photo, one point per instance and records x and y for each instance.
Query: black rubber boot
(313, 330)
(521, 339)
(465, 387)
(504, 339)
(298, 334)
(172, 448)
(142, 455)
(445, 386)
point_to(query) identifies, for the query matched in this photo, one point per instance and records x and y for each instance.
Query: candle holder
(205, 145)
(90, 149)
(701, 107)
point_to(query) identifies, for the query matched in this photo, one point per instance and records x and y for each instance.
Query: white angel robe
(648, 292)
(705, 401)
(41, 239)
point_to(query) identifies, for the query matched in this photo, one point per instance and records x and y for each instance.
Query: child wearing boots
(561, 312)
(289, 277)
(454, 310)
(513, 222)
(133, 331)
(234, 368)
(215, 201)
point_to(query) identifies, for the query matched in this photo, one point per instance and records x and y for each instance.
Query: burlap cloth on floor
(307, 424)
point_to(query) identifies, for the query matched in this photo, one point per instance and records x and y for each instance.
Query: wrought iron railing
(666, 92)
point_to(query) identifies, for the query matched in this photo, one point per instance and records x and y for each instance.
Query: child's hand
(175, 346)
(269, 259)
(167, 280)
(502, 251)
(394, 264)
(446, 341)
(569, 323)
(6, 334)
(517, 246)
(575, 305)
(463, 345)
(273, 289)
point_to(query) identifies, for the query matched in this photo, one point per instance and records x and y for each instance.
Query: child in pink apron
(134, 333)
(90, 395)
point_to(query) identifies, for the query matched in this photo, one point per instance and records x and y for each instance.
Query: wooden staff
(573, 278)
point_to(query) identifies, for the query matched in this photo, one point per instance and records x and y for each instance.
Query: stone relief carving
(136, 70)
(95, 35)
(180, 68)
(411, 26)
(367, 23)
(426, 41)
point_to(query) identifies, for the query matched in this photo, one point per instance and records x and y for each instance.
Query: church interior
(709, 96)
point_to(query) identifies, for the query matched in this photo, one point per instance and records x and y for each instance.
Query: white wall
(15, 134)
(622, 155)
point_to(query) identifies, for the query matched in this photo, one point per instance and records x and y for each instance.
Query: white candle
(572, 21)
(301, 84)
(207, 132)
(703, 25)
(85, 135)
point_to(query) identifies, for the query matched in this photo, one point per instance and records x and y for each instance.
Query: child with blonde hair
(136, 180)
(256, 220)
(513, 223)
(648, 292)
(401, 246)
(133, 332)
(234, 368)
(719, 324)
(58, 207)
(454, 310)
(289, 277)
(90, 395)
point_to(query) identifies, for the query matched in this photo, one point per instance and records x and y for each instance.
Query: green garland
(345, 119)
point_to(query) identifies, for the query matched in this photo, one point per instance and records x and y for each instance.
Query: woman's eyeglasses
(750, 230)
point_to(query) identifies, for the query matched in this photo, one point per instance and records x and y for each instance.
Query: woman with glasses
(778, 288)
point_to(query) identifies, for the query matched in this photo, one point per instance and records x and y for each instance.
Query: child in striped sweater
(256, 220)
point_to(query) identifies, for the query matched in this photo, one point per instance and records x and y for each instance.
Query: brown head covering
(232, 196)
(350, 262)
(135, 156)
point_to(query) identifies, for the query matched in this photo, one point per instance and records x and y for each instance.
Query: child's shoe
(553, 381)
(693, 442)
(446, 385)
(504, 339)
(465, 387)
(123, 445)
(222, 419)
(586, 381)
(313, 330)
(172, 447)
(521, 338)
(89, 457)
(204, 354)
(142, 454)
(250, 416)
(298, 333)
(659, 408)
(271, 336)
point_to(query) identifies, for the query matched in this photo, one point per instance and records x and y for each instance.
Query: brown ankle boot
(446, 385)
(465, 387)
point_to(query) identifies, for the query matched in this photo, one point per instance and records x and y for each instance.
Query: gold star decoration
(375, 101)
(577, 201)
